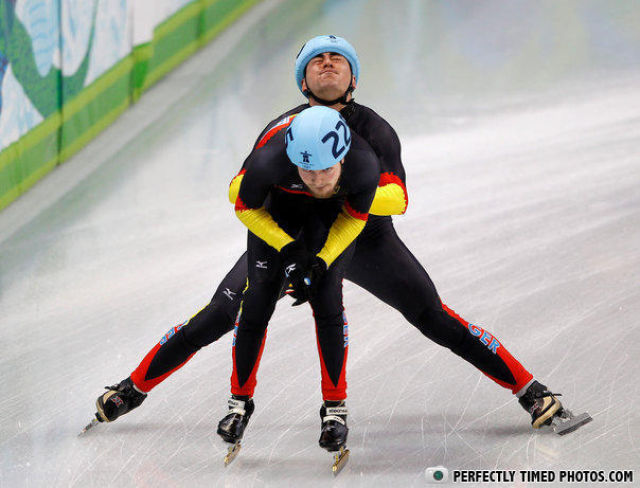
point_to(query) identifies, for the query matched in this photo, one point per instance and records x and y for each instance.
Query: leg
(333, 346)
(181, 342)
(259, 300)
(406, 286)
(176, 347)
(265, 282)
(332, 330)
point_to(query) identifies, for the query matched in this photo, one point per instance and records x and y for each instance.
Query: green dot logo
(437, 474)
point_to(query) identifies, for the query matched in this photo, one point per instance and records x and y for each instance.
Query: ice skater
(327, 71)
(303, 218)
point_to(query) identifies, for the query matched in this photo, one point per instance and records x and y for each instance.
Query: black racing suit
(279, 213)
(381, 264)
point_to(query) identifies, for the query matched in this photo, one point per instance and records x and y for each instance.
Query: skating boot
(546, 409)
(118, 400)
(334, 431)
(231, 427)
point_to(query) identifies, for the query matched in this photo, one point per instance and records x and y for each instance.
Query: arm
(344, 230)
(265, 136)
(260, 174)
(391, 196)
(361, 175)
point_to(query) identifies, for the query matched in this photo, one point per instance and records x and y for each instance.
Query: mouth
(327, 71)
(323, 191)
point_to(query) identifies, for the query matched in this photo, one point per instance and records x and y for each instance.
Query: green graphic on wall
(69, 68)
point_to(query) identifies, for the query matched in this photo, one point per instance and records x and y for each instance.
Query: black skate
(118, 400)
(546, 409)
(231, 427)
(334, 431)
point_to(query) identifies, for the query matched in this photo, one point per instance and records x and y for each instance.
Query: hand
(310, 282)
(303, 271)
(297, 261)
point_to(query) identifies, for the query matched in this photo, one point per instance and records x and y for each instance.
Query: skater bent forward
(327, 72)
(303, 218)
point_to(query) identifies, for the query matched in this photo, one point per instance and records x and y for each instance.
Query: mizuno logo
(289, 269)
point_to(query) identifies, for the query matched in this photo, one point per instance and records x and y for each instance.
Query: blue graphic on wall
(42, 64)
(112, 39)
(51, 49)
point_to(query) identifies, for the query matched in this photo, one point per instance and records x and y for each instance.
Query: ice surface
(524, 208)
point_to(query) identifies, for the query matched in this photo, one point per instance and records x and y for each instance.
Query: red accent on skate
(330, 391)
(250, 385)
(521, 375)
(139, 374)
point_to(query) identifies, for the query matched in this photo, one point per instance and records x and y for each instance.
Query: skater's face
(328, 75)
(322, 183)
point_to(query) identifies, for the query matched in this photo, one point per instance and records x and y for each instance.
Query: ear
(353, 82)
(304, 85)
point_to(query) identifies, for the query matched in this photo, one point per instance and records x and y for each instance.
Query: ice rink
(520, 125)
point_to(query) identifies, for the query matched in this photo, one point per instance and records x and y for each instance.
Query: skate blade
(90, 425)
(340, 459)
(232, 453)
(566, 425)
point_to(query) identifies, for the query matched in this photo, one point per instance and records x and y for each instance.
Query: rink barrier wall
(81, 118)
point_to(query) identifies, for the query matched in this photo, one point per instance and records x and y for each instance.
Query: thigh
(328, 299)
(229, 292)
(265, 281)
(218, 317)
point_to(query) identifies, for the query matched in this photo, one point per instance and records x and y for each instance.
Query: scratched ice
(523, 179)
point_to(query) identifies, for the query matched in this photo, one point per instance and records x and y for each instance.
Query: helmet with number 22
(317, 138)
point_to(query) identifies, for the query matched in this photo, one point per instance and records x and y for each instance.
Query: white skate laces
(332, 413)
(236, 406)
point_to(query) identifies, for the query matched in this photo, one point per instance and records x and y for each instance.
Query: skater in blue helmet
(327, 71)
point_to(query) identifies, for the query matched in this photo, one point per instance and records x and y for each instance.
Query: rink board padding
(95, 107)
(181, 35)
(28, 159)
(88, 112)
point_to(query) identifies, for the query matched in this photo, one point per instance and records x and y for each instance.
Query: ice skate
(231, 427)
(546, 409)
(118, 400)
(333, 436)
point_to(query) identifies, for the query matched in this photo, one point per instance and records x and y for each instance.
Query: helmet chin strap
(342, 99)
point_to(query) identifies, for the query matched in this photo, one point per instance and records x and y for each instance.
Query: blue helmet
(317, 138)
(325, 44)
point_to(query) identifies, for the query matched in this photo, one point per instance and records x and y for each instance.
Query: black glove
(310, 282)
(297, 262)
